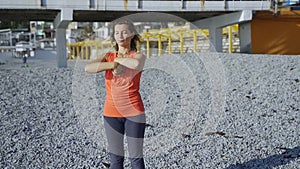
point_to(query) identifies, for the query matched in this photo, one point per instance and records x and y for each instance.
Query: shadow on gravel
(271, 161)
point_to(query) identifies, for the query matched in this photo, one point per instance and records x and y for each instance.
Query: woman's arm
(97, 65)
(100, 66)
(137, 62)
(99, 59)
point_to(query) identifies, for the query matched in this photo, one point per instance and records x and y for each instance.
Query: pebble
(204, 110)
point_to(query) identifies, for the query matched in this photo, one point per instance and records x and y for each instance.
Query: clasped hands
(115, 66)
(119, 69)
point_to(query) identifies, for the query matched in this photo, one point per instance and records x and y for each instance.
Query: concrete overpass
(212, 15)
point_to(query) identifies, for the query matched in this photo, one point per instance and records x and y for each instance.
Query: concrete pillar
(245, 37)
(215, 38)
(61, 23)
(216, 23)
(61, 49)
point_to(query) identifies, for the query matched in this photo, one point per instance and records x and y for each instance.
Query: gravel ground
(207, 110)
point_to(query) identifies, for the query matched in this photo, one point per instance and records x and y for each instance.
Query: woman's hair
(134, 40)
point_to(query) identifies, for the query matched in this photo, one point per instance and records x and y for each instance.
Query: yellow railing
(87, 49)
(165, 37)
(169, 36)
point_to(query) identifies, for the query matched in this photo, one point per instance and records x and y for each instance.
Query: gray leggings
(134, 128)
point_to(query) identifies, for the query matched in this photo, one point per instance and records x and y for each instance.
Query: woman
(123, 108)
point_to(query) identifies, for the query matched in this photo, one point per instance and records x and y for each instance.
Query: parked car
(24, 49)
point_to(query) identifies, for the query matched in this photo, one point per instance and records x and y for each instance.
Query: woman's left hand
(119, 70)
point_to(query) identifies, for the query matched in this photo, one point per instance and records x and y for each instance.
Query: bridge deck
(106, 10)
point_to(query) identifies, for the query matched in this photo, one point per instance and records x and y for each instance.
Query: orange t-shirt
(123, 98)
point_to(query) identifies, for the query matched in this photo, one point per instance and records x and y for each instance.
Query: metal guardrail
(18, 51)
(147, 5)
(284, 5)
(7, 49)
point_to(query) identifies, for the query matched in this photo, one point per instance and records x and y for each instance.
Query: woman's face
(123, 35)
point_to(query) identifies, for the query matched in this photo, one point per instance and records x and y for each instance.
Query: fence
(159, 42)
